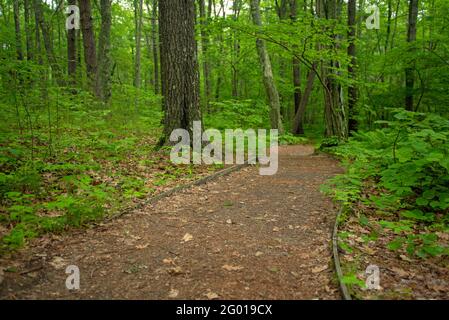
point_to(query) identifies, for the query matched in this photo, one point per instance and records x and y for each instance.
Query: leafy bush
(406, 164)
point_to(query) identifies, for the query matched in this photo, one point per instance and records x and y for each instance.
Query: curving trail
(242, 236)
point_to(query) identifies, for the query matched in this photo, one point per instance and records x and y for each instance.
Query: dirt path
(243, 236)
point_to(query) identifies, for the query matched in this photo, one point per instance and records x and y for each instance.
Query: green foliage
(406, 162)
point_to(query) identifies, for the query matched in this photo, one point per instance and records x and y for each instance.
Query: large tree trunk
(104, 54)
(71, 51)
(138, 8)
(19, 50)
(409, 71)
(28, 38)
(90, 51)
(298, 121)
(352, 89)
(220, 40)
(268, 80)
(296, 68)
(237, 6)
(204, 46)
(155, 45)
(179, 66)
(334, 110)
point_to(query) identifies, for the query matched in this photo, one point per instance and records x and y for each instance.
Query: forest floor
(242, 236)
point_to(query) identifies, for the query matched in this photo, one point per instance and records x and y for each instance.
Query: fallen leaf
(168, 261)
(273, 269)
(405, 258)
(187, 237)
(211, 295)
(175, 271)
(400, 272)
(58, 263)
(173, 293)
(232, 268)
(319, 269)
(142, 246)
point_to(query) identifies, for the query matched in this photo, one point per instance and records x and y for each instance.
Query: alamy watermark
(73, 280)
(73, 20)
(373, 277)
(188, 150)
(373, 20)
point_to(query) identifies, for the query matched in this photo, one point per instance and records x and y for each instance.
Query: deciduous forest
(92, 90)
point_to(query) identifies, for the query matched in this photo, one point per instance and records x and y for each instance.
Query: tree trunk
(204, 46)
(19, 50)
(270, 86)
(138, 8)
(90, 51)
(237, 5)
(409, 71)
(352, 89)
(298, 121)
(296, 68)
(71, 51)
(334, 112)
(155, 44)
(56, 71)
(179, 66)
(104, 54)
(28, 39)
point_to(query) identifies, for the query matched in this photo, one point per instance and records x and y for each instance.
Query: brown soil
(242, 236)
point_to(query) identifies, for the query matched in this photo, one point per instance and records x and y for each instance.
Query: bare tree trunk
(409, 71)
(237, 6)
(155, 45)
(138, 8)
(104, 54)
(90, 51)
(38, 47)
(270, 86)
(298, 121)
(19, 50)
(28, 39)
(296, 68)
(220, 40)
(204, 47)
(352, 89)
(56, 71)
(334, 112)
(179, 66)
(71, 51)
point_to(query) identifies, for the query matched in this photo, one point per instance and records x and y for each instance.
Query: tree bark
(352, 88)
(270, 86)
(19, 50)
(104, 52)
(155, 46)
(28, 32)
(138, 8)
(204, 48)
(71, 51)
(179, 66)
(298, 121)
(296, 67)
(237, 6)
(90, 51)
(334, 112)
(56, 71)
(410, 70)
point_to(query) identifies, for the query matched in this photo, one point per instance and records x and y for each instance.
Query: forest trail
(242, 236)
